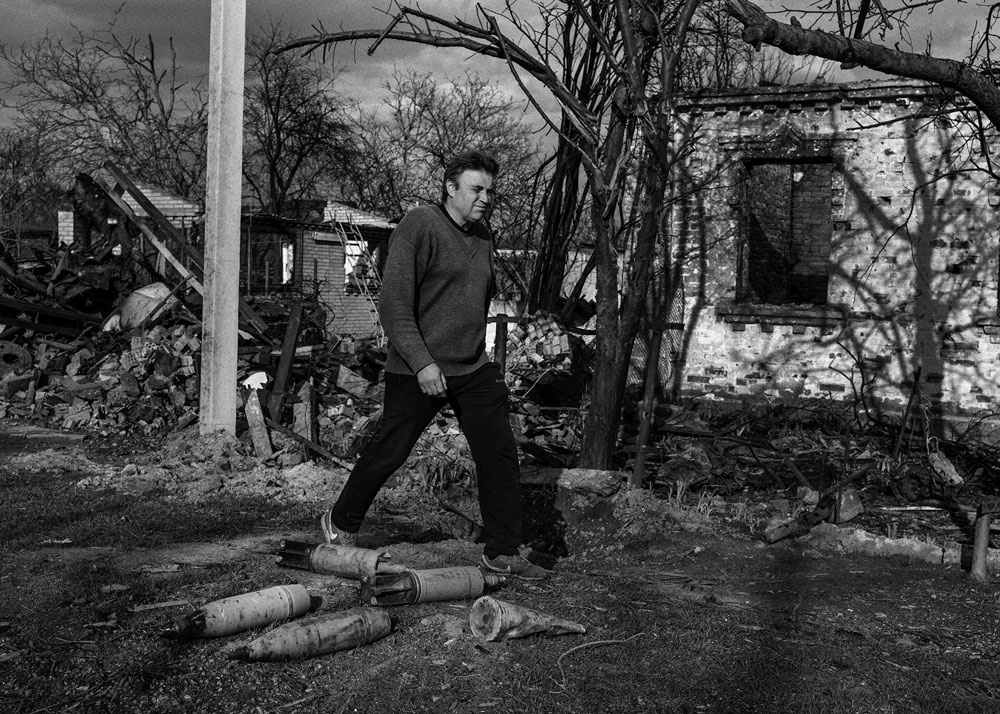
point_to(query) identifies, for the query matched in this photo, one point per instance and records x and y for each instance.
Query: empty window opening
(789, 225)
(267, 260)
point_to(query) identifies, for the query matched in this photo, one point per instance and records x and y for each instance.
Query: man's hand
(431, 381)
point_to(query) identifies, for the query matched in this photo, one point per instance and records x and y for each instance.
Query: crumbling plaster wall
(913, 265)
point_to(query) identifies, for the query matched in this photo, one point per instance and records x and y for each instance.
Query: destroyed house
(20, 240)
(337, 259)
(183, 214)
(323, 250)
(835, 241)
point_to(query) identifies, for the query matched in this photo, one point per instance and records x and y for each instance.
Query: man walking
(433, 304)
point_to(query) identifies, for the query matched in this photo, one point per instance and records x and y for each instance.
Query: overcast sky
(188, 23)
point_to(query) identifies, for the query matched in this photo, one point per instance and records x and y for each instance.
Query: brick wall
(66, 226)
(810, 232)
(320, 262)
(891, 271)
(768, 233)
(179, 211)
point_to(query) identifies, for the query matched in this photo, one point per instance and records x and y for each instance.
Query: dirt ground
(106, 540)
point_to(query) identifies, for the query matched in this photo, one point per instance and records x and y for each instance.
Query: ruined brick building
(318, 256)
(837, 240)
(283, 255)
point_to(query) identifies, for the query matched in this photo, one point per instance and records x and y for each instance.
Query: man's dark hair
(469, 161)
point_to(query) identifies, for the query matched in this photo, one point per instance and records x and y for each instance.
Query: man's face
(470, 196)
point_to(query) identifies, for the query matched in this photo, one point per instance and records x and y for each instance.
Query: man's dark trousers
(480, 401)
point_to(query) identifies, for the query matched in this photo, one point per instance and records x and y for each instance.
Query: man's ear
(450, 187)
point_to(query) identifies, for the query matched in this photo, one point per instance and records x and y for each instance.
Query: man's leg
(480, 401)
(406, 413)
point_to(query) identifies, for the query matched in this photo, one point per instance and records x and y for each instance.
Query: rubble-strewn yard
(109, 538)
(777, 558)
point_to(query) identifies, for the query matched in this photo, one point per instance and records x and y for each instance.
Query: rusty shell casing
(228, 616)
(434, 585)
(345, 561)
(491, 619)
(319, 635)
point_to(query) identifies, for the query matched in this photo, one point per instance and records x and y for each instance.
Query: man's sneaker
(514, 565)
(335, 536)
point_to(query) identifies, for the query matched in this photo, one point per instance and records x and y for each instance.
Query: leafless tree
(848, 43)
(612, 68)
(298, 142)
(26, 190)
(424, 121)
(100, 97)
(711, 59)
(706, 56)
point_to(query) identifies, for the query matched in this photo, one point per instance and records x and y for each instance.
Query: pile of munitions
(383, 585)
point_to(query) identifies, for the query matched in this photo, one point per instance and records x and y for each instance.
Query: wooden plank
(500, 343)
(161, 221)
(168, 229)
(801, 525)
(790, 465)
(285, 362)
(10, 308)
(28, 306)
(258, 429)
(311, 444)
(151, 236)
(44, 328)
(980, 545)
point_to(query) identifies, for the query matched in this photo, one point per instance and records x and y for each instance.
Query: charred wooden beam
(310, 444)
(60, 322)
(285, 362)
(166, 228)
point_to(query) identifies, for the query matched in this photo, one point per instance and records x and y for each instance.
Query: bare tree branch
(759, 29)
(491, 43)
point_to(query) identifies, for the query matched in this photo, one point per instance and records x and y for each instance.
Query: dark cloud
(187, 24)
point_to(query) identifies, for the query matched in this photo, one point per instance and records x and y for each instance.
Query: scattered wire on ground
(585, 645)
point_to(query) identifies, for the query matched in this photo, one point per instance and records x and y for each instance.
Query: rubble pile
(194, 467)
(145, 378)
(540, 342)
(90, 341)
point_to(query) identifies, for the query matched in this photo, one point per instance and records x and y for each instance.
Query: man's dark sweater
(435, 294)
